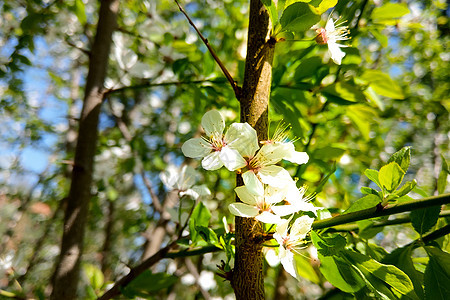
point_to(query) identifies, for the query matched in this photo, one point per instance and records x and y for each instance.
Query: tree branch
(139, 269)
(379, 212)
(236, 88)
(397, 221)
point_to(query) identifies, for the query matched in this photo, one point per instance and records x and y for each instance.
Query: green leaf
(406, 188)
(330, 152)
(389, 281)
(272, 11)
(200, 217)
(382, 38)
(328, 245)
(95, 276)
(389, 12)
(305, 270)
(401, 258)
(402, 158)
(79, 10)
(343, 91)
(437, 274)
(372, 175)
(366, 229)
(298, 17)
(390, 176)
(321, 6)
(340, 274)
(362, 116)
(424, 219)
(208, 235)
(307, 68)
(442, 179)
(147, 283)
(382, 84)
(369, 191)
(365, 202)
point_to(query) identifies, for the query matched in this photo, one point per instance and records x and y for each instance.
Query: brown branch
(66, 274)
(136, 271)
(236, 88)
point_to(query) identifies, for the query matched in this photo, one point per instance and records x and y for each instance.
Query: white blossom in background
(330, 35)
(291, 241)
(183, 180)
(218, 149)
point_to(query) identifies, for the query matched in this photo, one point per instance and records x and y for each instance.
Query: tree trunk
(248, 277)
(65, 278)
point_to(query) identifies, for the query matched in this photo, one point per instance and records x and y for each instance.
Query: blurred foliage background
(392, 90)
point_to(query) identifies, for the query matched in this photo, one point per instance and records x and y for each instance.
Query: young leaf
(437, 274)
(372, 175)
(424, 219)
(383, 278)
(369, 191)
(95, 276)
(390, 176)
(402, 157)
(406, 188)
(298, 17)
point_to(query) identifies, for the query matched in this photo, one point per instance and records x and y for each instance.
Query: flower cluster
(269, 193)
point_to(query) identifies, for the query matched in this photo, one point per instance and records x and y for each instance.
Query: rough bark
(248, 277)
(65, 278)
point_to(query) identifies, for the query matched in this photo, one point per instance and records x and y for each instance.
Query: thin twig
(151, 84)
(236, 88)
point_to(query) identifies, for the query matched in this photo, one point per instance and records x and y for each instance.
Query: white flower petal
(196, 148)
(267, 217)
(275, 176)
(297, 157)
(186, 178)
(252, 183)
(243, 210)
(274, 195)
(272, 153)
(272, 258)
(213, 123)
(284, 210)
(242, 137)
(335, 52)
(232, 159)
(212, 161)
(330, 25)
(289, 264)
(282, 229)
(169, 177)
(245, 196)
(191, 193)
(201, 190)
(301, 227)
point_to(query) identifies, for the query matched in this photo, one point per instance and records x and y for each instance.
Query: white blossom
(291, 241)
(330, 35)
(218, 149)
